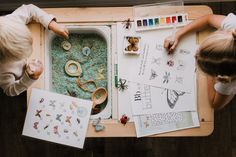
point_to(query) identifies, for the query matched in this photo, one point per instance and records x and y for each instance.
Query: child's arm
(13, 87)
(208, 20)
(11, 80)
(27, 13)
(217, 100)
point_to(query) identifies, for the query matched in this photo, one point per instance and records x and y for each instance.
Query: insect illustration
(179, 80)
(68, 119)
(181, 65)
(75, 133)
(170, 63)
(156, 61)
(41, 100)
(55, 130)
(184, 51)
(133, 44)
(38, 113)
(127, 23)
(122, 84)
(78, 120)
(36, 125)
(172, 97)
(153, 74)
(58, 117)
(46, 126)
(166, 77)
(52, 103)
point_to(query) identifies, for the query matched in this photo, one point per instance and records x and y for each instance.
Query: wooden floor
(222, 142)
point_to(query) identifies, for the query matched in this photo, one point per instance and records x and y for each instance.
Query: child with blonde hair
(16, 73)
(216, 55)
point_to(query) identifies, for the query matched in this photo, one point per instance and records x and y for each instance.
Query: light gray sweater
(13, 78)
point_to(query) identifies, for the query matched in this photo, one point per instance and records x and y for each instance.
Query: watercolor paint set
(160, 22)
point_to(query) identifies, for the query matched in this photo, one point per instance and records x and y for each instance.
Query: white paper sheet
(157, 68)
(146, 99)
(57, 118)
(164, 122)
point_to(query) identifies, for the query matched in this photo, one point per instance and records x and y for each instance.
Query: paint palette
(160, 22)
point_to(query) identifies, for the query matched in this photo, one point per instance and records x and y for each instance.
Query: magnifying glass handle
(94, 105)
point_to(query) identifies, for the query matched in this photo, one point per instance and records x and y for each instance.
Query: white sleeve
(14, 87)
(229, 22)
(27, 13)
(225, 88)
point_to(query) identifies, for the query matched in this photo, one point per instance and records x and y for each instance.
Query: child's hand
(34, 69)
(61, 30)
(170, 44)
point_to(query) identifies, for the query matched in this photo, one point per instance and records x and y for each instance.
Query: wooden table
(118, 14)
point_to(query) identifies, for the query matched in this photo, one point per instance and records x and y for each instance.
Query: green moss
(97, 59)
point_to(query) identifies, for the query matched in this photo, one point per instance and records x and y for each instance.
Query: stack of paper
(161, 94)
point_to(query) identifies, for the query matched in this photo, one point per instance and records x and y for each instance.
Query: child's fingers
(167, 44)
(66, 30)
(172, 48)
(64, 33)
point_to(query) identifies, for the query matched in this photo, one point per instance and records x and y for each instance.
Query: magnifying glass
(73, 68)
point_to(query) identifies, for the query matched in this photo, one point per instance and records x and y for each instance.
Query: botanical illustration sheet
(164, 122)
(57, 118)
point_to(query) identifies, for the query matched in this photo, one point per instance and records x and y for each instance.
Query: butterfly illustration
(173, 97)
(133, 44)
(38, 113)
(36, 125)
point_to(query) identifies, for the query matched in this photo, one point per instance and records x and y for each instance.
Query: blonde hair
(216, 55)
(15, 40)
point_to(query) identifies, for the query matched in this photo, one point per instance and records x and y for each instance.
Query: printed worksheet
(57, 118)
(152, 124)
(146, 99)
(154, 66)
(158, 68)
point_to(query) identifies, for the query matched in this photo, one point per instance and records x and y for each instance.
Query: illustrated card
(57, 118)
